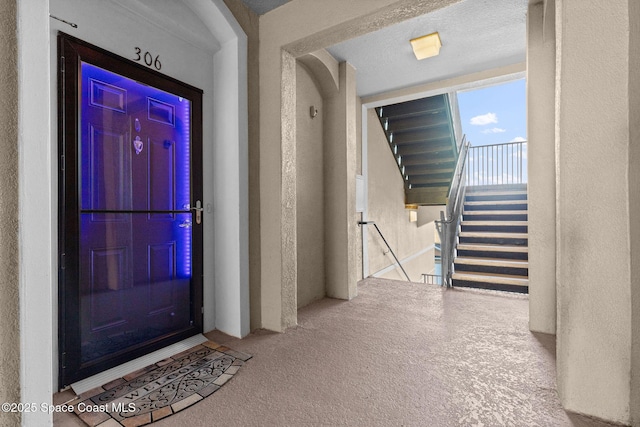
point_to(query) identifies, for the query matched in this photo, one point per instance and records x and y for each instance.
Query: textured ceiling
(476, 35)
(263, 6)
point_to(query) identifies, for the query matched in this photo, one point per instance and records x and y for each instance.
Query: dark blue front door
(135, 221)
(136, 244)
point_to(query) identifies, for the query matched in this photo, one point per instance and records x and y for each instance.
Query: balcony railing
(497, 164)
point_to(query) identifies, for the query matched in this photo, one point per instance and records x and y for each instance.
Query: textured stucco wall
(299, 27)
(541, 57)
(634, 204)
(310, 197)
(9, 250)
(340, 187)
(386, 208)
(593, 239)
(250, 23)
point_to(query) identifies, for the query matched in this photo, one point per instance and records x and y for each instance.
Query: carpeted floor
(400, 354)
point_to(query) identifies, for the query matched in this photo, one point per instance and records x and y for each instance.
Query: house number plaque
(148, 59)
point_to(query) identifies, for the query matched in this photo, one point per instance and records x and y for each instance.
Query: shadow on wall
(427, 214)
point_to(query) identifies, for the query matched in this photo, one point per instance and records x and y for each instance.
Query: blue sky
(495, 114)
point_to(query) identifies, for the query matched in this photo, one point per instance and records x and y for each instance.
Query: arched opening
(316, 85)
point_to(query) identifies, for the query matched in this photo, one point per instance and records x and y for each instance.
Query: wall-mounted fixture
(313, 111)
(426, 46)
(413, 212)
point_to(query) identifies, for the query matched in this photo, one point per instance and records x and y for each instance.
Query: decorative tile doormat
(162, 389)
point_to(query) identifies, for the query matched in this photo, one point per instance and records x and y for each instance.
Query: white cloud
(518, 139)
(522, 154)
(494, 130)
(484, 119)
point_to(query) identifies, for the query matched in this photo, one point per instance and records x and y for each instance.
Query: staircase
(422, 138)
(492, 250)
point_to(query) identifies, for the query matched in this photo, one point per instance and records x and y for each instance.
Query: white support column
(365, 175)
(36, 221)
(541, 60)
(593, 222)
(340, 189)
(634, 205)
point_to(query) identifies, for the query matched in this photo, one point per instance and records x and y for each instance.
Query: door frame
(71, 51)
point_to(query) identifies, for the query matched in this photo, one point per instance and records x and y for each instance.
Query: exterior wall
(250, 24)
(37, 247)
(9, 249)
(541, 61)
(36, 54)
(341, 220)
(593, 216)
(634, 204)
(97, 23)
(200, 57)
(290, 31)
(386, 208)
(310, 194)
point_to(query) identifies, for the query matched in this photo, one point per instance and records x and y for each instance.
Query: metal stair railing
(431, 279)
(497, 164)
(449, 222)
(386, 243)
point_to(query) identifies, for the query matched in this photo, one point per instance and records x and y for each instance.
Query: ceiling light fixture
(426, 46)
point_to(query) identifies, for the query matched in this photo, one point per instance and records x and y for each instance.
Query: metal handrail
(458, 178)
(497, 164)
(431, 279)
(386, 243)
(448, 224)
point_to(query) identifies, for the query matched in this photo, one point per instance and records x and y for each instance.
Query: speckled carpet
(160, 390)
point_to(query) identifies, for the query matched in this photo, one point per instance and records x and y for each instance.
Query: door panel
(106, 170)
(131, 280)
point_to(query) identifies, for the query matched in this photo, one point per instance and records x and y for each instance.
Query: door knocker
(138, 145)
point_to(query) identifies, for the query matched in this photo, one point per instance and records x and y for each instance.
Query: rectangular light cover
(426, 46)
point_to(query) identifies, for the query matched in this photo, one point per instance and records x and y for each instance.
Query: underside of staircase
(422, 139)
(492, 248)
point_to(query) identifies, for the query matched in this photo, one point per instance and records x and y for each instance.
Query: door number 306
(148, 59)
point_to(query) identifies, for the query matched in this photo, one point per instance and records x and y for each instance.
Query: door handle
(198, 208)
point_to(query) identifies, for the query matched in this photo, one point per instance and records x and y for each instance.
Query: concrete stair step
(496, 202)
(493, 238)
(491, 215)
(496, 193)
(484, 251)
(495, 205)
(496, 223)
(497, 187)
(495, 196)
(505, 212)
(495, 226)
(492, 248)
(496, 262)
(494, 235)
(491, 281)
(518, 268)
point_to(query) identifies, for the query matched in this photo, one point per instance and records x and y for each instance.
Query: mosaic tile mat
(160, 390)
